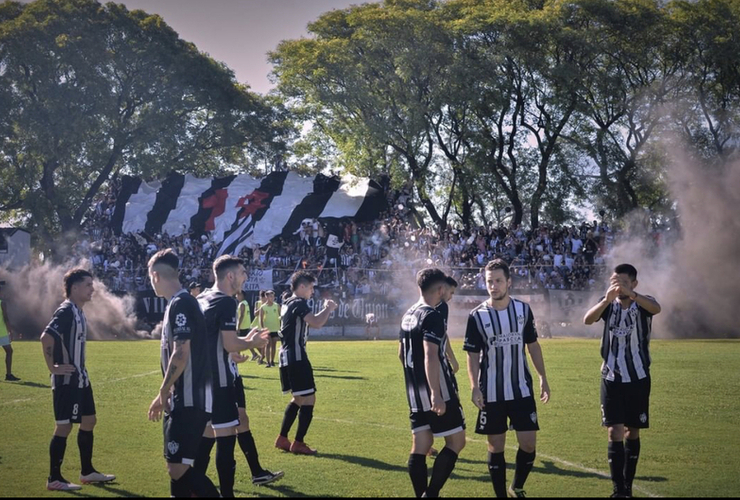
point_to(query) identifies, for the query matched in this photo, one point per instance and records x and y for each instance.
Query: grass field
(362, 432)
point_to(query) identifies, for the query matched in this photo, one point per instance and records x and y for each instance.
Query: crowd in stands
(365, 258)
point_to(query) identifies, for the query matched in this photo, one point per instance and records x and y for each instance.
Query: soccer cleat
(62, 486)
(300, 448)
(282, 443)
(267, 477)
(254, 357)
(618, 494)
(432, 452)
(11, 378)
(516, 492)
(96, 477)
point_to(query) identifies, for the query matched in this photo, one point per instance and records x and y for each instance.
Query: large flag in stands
(241, 210)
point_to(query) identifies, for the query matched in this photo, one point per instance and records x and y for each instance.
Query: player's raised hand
(258, 337)
(237, 357)
(612, 292)
(331, 305)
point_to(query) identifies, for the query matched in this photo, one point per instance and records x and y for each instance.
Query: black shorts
(297, 378)
(274, 335)
(183, 429)
(225, 412)
(241, 400)
(72, 403)
(452, 422)
(625, 403)
(521, 415)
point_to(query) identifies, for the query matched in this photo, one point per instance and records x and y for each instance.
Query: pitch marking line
(106, 382)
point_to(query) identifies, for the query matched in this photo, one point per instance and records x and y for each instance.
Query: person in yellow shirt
(244, 319)
(5, 337)
(269, 317)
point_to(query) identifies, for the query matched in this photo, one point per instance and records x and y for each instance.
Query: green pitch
(362, 432)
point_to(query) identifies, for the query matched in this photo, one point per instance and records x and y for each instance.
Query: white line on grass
(105, 382)
(539, 455)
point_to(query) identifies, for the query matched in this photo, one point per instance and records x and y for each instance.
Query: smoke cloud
(35, 292)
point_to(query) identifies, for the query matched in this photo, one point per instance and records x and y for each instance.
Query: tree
(90, 91)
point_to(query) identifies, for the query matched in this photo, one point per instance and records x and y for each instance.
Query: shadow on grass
(364, 462)
(279, 490)
(33, 384)
(324, 369)
(110, 487)
(549, 467)
(343, 377)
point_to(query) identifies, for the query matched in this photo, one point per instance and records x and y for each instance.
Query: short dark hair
(427, 278)
(627, 269)
(499, 264)
(263, 293)
(301, 278)
(223, 264)
(73, 276)
(167, 257)
(451, 281)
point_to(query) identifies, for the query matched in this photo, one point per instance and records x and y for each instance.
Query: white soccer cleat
(96, 477)
(62, 486)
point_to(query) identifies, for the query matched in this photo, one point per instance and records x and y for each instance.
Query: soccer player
(5, 337)
(269, 317)
(220, 310)
(444, 309)
(431, 387)
(185, 394)
(63, 342)
(625, 371)
(497, 332)
(195, 288)
(296, 374)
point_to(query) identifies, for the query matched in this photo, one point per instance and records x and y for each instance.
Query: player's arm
(472, 345)
(319, 320)
(256, 339)
(47, 344)
(262, 318)
(648, 303)
(400, 352)
(432, 370)
(535, 352)
(594, 314)
(176, 367)
(240, 313)
(451, 358)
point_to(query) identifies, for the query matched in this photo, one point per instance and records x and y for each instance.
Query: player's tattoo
(48, 352)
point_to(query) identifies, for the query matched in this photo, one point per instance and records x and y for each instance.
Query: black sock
(180, 488)
(304, 420)
(631, 456)
(497, 470)
(615, 454)
(443, 466)
(418, 473)
(203, 455)
(226, 465)
(56, 453)
(524, 464)
(291, 412)
(85, 443)
(246, 443)
(199, 484)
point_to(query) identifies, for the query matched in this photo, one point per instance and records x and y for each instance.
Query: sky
(239, 33)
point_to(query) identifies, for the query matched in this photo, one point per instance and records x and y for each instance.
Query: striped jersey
(219, 311)
(625, 342)
(499, 337)
(423, 323)
(444, 310)
(183, 321)
(294, 331)
(68, 327)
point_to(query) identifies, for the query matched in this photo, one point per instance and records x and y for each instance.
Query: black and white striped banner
(240, 210)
